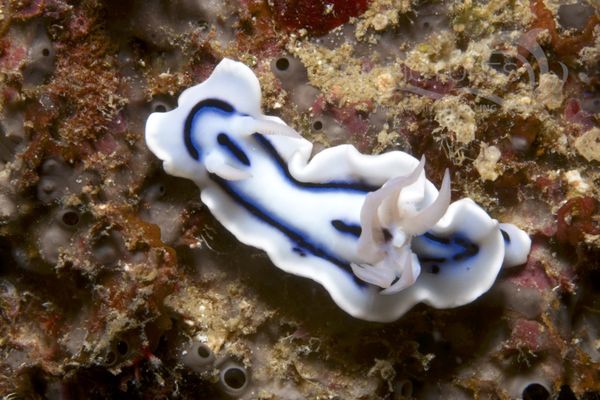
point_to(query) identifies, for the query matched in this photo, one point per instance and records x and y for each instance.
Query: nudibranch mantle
(370, 228)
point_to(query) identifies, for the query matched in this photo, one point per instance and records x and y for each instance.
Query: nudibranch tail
(517, 245)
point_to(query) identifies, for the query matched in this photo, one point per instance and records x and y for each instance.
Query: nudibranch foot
(371, 229)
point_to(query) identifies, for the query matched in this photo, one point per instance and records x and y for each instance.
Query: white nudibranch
(370, 228)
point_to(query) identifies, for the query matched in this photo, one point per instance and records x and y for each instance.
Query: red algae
(576, 218)
(434, 87)
(565, 47)
(530, 336)
(26, 9)
(316, 16)
(575, 114)
(533, 275)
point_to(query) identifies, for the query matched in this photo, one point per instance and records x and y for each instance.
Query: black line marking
(438, 239)
(294, 236)
(299, 251)
(464, 243)
(471, 249)
(352, 229)
(225, 141)
(271, 151)
(466, 248)
(189, 122)
(460, 256)
(505, 235)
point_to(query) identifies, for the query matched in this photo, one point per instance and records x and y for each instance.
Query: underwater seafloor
(117, 283)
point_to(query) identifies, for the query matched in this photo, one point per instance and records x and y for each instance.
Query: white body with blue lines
(260, 182)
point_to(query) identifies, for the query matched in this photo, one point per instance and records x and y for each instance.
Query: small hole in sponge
(70, 218)
(404, 388)
(235, 377)
(317, 125)
(45, 52)
(203, 352)
(282, 64)
(122, 347)
(160, 108)
(535, 391)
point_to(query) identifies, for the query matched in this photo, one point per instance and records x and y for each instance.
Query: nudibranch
(370, 228)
